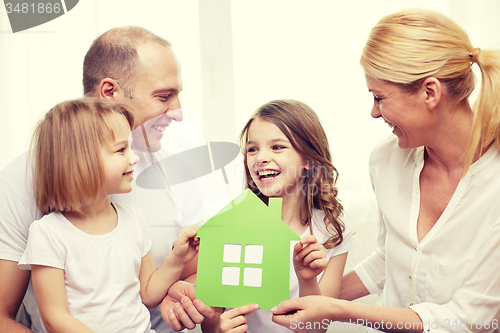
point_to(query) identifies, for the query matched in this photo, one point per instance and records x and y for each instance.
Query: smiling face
(275, 166)
(118, 159)
(155, 97)
(403, 112)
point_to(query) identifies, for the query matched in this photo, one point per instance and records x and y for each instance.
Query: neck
(450, 138)
(100, 207)
(96, 219)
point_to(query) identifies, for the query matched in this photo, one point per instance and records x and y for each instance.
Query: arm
(155, 283)
(13, 285)
(50, 292)
(325, 309)
(352, 288)
(332, 277)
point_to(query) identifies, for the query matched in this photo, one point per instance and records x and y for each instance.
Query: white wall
(265, 50)
(43, 65)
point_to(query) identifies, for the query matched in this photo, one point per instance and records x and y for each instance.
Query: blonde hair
(407, 47)
(301, 125)
(67, 169)
(114, 55)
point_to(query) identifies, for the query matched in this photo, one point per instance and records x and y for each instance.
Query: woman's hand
(309, 258)
(234, 321)
(300, 314)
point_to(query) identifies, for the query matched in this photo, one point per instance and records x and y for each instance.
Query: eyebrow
(272, 141)
(120, 143)
(171, 90)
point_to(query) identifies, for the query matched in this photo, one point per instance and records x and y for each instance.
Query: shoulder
(125, 209)
(16, 177)
(49, 226)
(319, 227)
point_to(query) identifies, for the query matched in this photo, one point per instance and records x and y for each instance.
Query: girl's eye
(122, 150)
(251, 150)
(278, 147)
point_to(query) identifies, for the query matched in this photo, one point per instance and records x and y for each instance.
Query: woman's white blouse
(451, 278)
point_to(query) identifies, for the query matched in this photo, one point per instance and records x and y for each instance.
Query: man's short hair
(114, 55)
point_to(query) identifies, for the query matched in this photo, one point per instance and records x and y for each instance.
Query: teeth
(159, 127)
(267, 172)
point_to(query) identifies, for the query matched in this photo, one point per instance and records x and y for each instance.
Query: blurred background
(235, 56)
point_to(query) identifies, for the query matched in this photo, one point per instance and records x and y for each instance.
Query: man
(129, 65)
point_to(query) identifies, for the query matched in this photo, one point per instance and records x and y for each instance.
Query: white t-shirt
(260, 321)
(101, 272)
(450, 279)
(18, 210)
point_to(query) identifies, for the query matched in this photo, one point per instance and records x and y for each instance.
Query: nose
(375, 112)
(175, 114)
(133, 158)
(261, 158)
(175, 110)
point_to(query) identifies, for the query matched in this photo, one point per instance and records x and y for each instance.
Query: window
(252, 274)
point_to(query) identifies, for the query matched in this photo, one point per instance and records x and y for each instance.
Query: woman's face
(405, 113)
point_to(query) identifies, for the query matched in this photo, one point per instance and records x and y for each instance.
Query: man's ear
(109, 88)
(433, 92)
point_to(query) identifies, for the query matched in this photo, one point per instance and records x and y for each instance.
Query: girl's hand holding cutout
(186, 247)
(309, 258)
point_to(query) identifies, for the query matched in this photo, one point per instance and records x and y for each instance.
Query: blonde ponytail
(486, 125)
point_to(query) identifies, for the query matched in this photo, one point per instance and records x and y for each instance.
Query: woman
(436, 182)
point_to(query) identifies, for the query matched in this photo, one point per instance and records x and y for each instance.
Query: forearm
(8, 324)
(352, 287)
(13, 284)
(160, 281)
(63, 323)
(382, 318)
(189, 272)
(308, 287)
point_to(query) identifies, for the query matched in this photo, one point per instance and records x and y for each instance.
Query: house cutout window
(252, 276)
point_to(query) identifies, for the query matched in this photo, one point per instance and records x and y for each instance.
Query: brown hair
(67, 168)
(301, 125)
(114, 55)
(407, 47)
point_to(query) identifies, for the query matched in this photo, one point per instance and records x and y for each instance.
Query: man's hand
(180, 308)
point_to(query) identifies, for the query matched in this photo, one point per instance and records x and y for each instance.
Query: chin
(140, 145)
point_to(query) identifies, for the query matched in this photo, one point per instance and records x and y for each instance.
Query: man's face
(155, 95)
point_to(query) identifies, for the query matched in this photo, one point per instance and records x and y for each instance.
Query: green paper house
(244, 255)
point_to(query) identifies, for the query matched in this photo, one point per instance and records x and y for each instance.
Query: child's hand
(186, 246)
(309, 258)
(234, 320)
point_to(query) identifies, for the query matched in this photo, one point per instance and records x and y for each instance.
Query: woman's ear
(433, 92)
(308, 165)
(109, 88)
